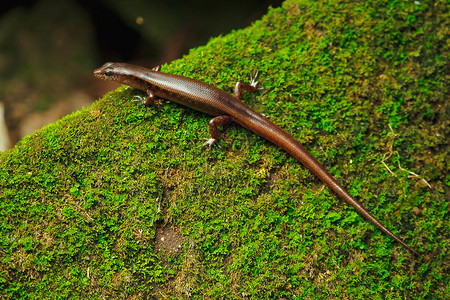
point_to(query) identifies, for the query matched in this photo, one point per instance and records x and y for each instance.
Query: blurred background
(49, 48)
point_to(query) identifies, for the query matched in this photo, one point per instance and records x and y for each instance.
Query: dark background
(49, 48)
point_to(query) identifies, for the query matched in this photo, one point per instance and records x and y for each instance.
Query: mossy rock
(118, 201)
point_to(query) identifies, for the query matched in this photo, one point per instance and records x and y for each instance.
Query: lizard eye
(109, 72)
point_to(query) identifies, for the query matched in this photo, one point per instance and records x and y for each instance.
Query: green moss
(362, 86)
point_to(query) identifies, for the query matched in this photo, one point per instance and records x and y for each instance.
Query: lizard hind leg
(214, 131)
(249, 87)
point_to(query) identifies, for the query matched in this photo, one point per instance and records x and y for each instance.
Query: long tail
(268, 130)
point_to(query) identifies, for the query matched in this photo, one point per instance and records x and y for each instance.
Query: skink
(227, 108)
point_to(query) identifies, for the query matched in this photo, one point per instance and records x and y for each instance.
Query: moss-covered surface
(117, 200)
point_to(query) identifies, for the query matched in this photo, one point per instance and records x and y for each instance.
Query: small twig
(382, 161)
(414, 175)
(159, 210)
(387, 155)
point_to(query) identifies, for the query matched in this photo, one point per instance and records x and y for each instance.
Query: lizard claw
(253, 81)
(139, 98)
(209, 142)
(146, 101)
